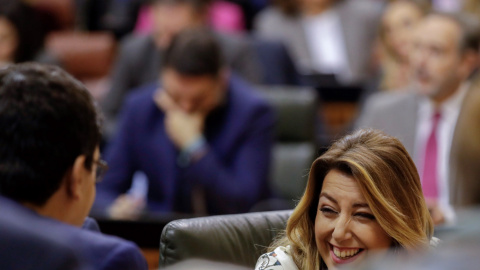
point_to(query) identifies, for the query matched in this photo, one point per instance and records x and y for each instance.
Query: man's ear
(75, 177)
(471, 61)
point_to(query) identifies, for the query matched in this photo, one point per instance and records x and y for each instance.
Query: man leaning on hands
(202, 138)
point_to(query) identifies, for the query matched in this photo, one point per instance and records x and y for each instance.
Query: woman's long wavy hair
(388, 180)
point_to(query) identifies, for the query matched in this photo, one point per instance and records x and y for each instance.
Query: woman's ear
(75, 177)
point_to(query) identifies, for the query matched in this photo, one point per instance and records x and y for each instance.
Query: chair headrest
(237, 239)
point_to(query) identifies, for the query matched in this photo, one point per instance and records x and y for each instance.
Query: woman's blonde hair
(387, 178)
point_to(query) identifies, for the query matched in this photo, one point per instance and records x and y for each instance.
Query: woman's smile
(344, 255)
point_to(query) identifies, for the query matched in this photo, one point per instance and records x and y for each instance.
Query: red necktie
(430, 177)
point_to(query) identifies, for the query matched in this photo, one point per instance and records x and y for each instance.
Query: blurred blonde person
(324, 36)
(395, 38)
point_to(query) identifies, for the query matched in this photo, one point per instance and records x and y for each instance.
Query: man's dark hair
(194, 52)
(47, 120)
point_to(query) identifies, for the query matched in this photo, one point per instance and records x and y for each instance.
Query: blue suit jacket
(27, 243)
(105, 251)
(233, 173)
(97, 250)
(91, 224)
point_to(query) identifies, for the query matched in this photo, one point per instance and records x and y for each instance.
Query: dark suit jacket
(139, 62)
(233, 173)
(97, 250)
(105, 251)
(277, 65)
(91, 224)
(27, 243)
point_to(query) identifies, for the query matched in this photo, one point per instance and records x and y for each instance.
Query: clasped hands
(182, 127)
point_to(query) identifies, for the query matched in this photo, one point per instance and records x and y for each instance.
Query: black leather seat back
(237, 239)
(295, 147)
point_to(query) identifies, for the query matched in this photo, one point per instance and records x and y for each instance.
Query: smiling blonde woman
(363, 197)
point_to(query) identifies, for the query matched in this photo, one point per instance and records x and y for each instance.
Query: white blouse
(279, 259)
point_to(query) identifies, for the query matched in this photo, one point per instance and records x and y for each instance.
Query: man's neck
(41, 210)
(53, 209)
(441, 102)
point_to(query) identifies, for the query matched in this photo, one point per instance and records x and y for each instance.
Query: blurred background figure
(202, 138)
(139, 58)
(324, 36)
(122, 17)
(447, 5)
(472, 7)
(330, 43)
(222, 16)
(395, 42)
(116, 16)
(443, 59)
(23, 30)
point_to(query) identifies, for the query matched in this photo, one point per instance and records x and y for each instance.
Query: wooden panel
(152, 256)
(338, 117)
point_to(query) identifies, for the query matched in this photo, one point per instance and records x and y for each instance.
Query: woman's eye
(365, 215)
(327, 211)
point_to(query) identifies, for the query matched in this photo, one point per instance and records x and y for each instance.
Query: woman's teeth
(344, 254)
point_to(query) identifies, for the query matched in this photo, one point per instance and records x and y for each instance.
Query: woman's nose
(341, 231)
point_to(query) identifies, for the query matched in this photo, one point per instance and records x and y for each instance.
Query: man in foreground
(49, 159)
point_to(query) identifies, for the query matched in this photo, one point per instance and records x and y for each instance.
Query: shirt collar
(448, 108)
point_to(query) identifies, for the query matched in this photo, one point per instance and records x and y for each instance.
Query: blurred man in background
(443, 59)
(139, 59)
(202, 138)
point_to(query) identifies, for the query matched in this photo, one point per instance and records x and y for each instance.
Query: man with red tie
(443, 59)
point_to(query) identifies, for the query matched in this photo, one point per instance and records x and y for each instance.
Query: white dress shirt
(327, 45)
(449, 111)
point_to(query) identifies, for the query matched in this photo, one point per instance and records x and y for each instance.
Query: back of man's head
(47, 120)
(194, 52)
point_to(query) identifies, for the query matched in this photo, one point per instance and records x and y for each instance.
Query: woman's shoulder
(279, 259)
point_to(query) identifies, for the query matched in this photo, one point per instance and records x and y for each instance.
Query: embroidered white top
(279, 259)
